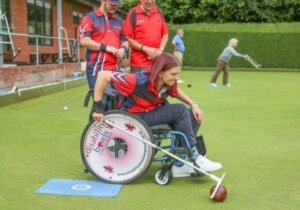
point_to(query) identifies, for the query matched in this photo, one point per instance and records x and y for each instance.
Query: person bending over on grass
(145, 94)
(223, 62)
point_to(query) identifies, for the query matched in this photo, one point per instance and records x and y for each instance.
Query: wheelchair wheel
(110, 153)
(166, 179)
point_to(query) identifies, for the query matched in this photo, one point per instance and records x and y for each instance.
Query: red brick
(20, 22)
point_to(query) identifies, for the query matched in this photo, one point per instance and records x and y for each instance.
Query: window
(77, 16)
(5, 9)
(40, 20)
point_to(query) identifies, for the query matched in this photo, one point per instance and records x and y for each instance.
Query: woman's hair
(164, 62)
(233, 41)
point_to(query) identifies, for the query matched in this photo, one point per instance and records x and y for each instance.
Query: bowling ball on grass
(221, 193)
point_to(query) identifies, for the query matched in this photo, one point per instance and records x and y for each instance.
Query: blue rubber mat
(79, 188)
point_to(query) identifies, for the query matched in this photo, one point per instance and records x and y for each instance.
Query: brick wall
(26, 76)
(20, 23)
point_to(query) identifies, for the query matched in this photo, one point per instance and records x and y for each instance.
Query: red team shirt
(147, 30)
(109, 32)
(140, 94)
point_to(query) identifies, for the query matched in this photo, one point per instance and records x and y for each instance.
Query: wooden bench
(66, 58)
(43, 58)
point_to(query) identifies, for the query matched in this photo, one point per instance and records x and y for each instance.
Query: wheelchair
(122, 147)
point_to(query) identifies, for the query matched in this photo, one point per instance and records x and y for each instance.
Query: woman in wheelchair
(145, 94)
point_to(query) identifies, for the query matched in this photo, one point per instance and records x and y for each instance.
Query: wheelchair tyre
(113, 154)
(167, 178)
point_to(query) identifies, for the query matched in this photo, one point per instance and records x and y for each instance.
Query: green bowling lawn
(253, 128)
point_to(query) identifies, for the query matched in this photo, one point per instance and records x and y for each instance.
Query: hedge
(217, 11)
(272, 50)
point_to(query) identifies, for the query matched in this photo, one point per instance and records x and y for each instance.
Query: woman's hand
(198, 114)
(99, 117)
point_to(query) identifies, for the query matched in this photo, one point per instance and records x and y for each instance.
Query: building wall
(27, 76)
(19, 25)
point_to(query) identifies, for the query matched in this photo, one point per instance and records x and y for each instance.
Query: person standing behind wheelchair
(145, 94)
(147, 33)
(101, 32)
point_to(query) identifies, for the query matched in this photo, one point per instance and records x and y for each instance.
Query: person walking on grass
(223, 62)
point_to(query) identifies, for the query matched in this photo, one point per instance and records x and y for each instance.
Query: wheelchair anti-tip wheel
(163, 179)
(110, 153)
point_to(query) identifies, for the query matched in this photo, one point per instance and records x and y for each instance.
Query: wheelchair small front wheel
(165, 179)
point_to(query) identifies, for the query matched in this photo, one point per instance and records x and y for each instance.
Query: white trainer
(213, 84)
(182, 171)
(207, 165)
(227, 85)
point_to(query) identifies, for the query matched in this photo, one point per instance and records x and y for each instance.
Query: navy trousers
(176, 115)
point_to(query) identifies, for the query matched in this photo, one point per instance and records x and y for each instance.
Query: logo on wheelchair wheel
(108, 169)
(81, 187)
(109, 126)
(129, 126)
(98, 139)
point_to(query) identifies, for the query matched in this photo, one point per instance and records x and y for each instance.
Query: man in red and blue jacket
(101, 32)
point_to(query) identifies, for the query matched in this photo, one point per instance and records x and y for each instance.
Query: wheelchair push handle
(87, 98)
